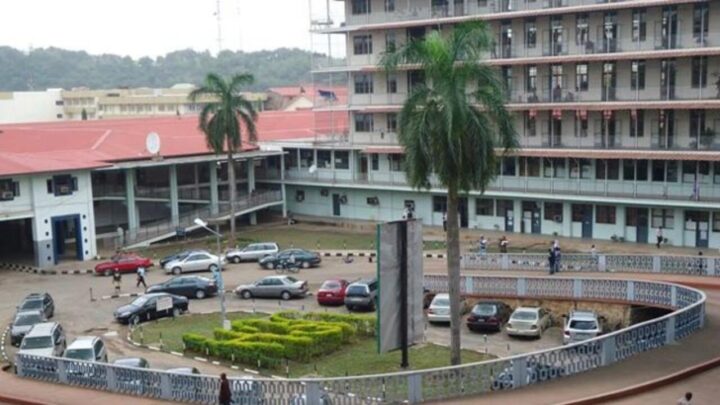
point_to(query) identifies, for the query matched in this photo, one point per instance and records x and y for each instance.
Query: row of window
(365, 122)
(9, 189)
(63, 184)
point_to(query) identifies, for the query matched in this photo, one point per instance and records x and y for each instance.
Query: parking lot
(81, 316)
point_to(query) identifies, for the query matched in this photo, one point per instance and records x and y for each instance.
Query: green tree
(222, 120)
(450, 126)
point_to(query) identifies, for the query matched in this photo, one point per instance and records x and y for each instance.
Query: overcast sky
(155, 27)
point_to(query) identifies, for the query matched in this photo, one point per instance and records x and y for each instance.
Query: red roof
(75, 145)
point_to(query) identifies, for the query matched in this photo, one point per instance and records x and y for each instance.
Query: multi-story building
(616, 105)
(31, 106)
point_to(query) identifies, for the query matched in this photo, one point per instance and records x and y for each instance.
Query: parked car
(252, 252)
(145, 308)
(439, 309)
(23, 322)
(167, 259)
(124, 263)
(186, 286)
(303, 258)
(488, 315)
(362, 295)
(528, 321)
(195, 261)
(183, 370)
(536, 372)
(581, 325)
(332, 292)
(87, 348)
(132, 362)
(38, 302)
(129, 381)
(284, 287)
(44, 339)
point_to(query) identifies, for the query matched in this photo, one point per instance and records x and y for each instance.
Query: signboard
(389, 242)
(163, 304)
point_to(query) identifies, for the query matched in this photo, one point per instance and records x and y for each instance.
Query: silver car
(284, 287)
(22, 324)
(528, 321)
(196, 261)
(253, 251)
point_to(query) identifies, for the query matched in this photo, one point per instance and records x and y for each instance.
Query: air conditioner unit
(343, 199)
(7, 195)
(373, 201)
(64, 189)
(557, 218)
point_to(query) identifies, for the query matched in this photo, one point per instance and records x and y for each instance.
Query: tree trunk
(231, 189)
(453, 263)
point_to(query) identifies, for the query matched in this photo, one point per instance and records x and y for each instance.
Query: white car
(439, 309)
(253, 251)
(528, 321)
(87, 348)
(44, 339)
(581, 325)
(196, 261)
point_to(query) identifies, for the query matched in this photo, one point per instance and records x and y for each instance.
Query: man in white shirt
(685, 400)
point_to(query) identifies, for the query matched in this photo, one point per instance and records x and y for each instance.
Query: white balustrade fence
(687, 304)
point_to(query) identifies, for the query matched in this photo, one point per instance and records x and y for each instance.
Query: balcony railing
(546, 94)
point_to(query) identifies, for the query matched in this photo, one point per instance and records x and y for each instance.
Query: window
(390, 41)
(664, 218)
(582, 30)
(392, 84)
(363, 122)
(389, 6)
(291, 159)
(530, 167)
(605, 214)
(363, 83)
(439, 203)
(693, 217)
(716, 221)
(579, 212)
(299, 195)
(697, 123)
(581, 77)
(531, 78)
(580, 168)
(62, 185)
(391, 122)
(642, 170)
(362, 44)
(658, 170)
(502, 207)
(9, 189)
(360, 7)
(484, 206)
(324, 159)
(631, 216)
(637, 75)
(307, 158)
(553, 212)
(699, 72)
(639, 24)
(508, 166)
(700, 22)
(581, 125)
(375, 162)
(396, 162)
(637, 123)
(342, 159)
(531, 124)
(530, 33)
(672, 171)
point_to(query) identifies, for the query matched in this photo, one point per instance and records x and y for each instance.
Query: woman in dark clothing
(225, 397)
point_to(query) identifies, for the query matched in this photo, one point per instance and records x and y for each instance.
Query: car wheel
(285, 295)
(200, 294)
(273, 266)
(213, 268)
(305, 265)
(236, 259)
(107, 273)
(176, 270)
(176, 312)
(349, 307)
(246, 294)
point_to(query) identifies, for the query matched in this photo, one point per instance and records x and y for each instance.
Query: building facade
(616, 105)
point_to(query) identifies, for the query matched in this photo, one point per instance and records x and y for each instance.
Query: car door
(278, 286)
(148, 310)
(187, 287)
(262, 288)
(99, 349)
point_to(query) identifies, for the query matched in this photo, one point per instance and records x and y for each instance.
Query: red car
(332, 292)
(124, 263)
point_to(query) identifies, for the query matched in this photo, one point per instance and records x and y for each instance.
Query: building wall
(30, 106)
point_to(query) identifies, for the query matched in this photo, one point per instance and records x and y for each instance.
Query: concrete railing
(687, 316)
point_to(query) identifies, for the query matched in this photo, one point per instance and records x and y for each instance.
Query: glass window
(307, 158)
(484, 206)
(631, 216)
(342, 159)
(699, 72)
(362, 44)
(508, 166)
(658, 170)
(639, 24)
(530, 33)
(502, 207)
(672, 171)
(396, 162)
(360, 7)
(291, 159)
(581, 77)
(391, 122)
(637, 123)
(628, 170)
(693, 217)
(375, 162)
(531, 125)
(439, 203)
(580, 168)
(716, 221)
(637, 75)
(363, 83)
(553, 211)
(642, 170)
(579, 211)
(531, 78)
(363, 122)
(700, 22)
(392, 84)
(582, 31)
(299, 195)
(605, 214)
(389, 6)
(559, 168)
(324, 158)
(664, 218)
(530, 167)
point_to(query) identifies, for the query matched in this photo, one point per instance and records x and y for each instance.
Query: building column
(471, 212)
(132, 211)
(251, 187)
(517, 216)
(214, 205)
(174, 197)
(567, 219)
(677, 234)
(282, 185)
(620, 215)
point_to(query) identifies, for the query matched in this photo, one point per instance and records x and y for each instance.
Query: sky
(155, 27)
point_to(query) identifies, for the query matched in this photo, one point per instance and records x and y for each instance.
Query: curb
(373, 254)
(3, 353)
(35, 270)
(649, 385)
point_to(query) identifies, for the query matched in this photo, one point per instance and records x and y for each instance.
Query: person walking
(482, 246)
(659, 236)
(225, 394)
(445, 221)
(700, 265)
(551, 260)
(593, 257)
(503, 243)
(685, 399)
(557, 256)
(117, 279)
(141, 277)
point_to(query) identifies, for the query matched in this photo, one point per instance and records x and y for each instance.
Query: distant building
(31, 106)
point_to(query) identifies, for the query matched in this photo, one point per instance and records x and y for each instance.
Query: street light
(219, 279)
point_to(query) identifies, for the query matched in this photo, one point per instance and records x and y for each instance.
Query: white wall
(30, 106)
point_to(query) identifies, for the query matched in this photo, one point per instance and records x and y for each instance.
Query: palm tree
(450, 126)
(224, 110)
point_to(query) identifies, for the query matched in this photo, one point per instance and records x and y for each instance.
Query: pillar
(174, 198)
(567, 219)
(471, 212)
(282, 186)
(677, 234)
(214, 205)
(251, 187)
(620, 215)
(132, 212)
(517, 216)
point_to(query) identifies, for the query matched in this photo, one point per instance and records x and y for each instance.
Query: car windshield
(25, 320)
(441, 302)
(32, 304)
(484, 309)
(525, 316)
(330, 285)
(139, 301)
(291, 279)
(79, 354)
(37, 342)
(583, 325)
(356, 290)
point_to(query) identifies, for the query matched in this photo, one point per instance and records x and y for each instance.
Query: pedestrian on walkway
(700, 265)
(482, 246)
(141, 277)
(686, 399)
(117, 279)
(557, 256)
(445, 221)
(659, 235)
(593, 257)
(503, 243)
(225, 394)
(551, 260)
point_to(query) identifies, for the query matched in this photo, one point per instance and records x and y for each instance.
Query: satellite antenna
(152, 144)
(312, 169)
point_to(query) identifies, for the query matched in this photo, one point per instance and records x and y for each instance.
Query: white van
(44, 339)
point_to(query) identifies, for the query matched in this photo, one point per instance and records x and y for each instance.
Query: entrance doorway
(336, 205)
(531, 217)
(583, 213)
(642, 225)
(67, 238)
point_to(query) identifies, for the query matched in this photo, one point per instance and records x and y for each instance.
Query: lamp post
(219, 279)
